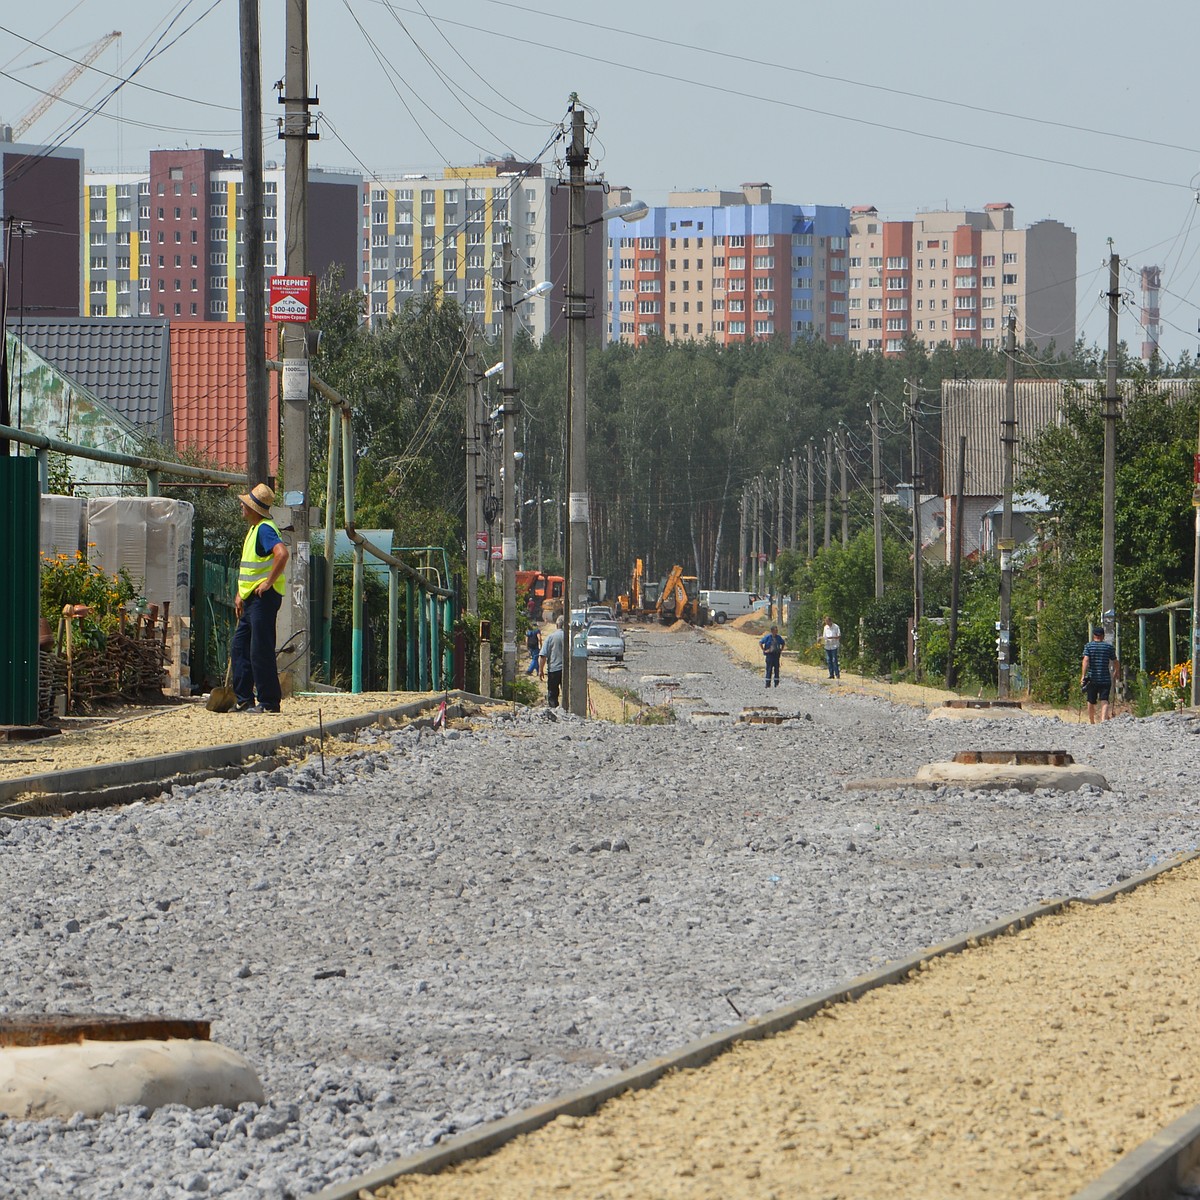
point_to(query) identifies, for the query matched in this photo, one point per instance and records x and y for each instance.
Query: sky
(1077, 110)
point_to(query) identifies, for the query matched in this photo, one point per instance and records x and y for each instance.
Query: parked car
(604, 640)
(599, 612)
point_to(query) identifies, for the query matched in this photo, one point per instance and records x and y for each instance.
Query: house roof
(974, 408)
(123, 363)
(208, 386)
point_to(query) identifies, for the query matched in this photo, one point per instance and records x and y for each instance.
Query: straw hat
(259, 499)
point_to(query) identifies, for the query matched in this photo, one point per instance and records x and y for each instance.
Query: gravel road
(522, 904)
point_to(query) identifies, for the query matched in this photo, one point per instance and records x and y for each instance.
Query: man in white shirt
(833, 641)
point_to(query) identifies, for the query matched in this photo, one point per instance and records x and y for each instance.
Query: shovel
(221, 699)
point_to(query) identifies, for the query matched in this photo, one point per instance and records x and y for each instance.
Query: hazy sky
(1079, 110)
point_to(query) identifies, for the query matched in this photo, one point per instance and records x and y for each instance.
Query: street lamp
(508, 410)
(576, 312)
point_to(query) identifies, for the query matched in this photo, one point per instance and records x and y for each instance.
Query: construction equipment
(31, 116)
(541, 595)
(642, 598)
(679, 599)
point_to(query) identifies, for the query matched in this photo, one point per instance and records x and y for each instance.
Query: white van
(724, 606)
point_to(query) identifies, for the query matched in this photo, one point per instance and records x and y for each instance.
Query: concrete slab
(1001, 776)
(946, 713)
(98, 1077)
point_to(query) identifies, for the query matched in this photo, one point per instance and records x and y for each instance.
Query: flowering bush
(71, 579)
(1169, 689)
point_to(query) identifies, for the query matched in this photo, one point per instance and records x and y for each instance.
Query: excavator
(679, 599)
(641, 599)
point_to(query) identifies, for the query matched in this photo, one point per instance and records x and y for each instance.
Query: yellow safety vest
(255, 567)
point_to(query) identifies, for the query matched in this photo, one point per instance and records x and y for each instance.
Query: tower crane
(32, 115)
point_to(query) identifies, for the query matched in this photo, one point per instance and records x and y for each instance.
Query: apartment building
(731, 267)
(444, 233)
(40, 215)
(168, 242)
(954, 277)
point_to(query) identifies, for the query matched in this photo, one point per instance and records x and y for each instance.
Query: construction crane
(93, 52)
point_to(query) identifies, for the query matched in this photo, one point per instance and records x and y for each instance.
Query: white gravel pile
(448, 927)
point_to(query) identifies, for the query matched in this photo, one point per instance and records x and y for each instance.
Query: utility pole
(956, 563)
(539, 512)
(254, 281)
(758, 536)
(845, 496)
(471, 445)
(1008, 445)
(297, 132)
(918, 577)
(811, 493)
(795, 493)
(828, 491)
(779, 543)
(575, 657)
(1108, 614)
(508, 411)
(741, 571)
(877, 496)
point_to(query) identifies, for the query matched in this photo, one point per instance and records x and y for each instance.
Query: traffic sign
(292, 298)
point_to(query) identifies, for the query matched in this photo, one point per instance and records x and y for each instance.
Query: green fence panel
(19, 547)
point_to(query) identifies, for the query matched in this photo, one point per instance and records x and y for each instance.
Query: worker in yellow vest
(259, 596)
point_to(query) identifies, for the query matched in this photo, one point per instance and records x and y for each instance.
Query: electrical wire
(794, 106)
(827, 78)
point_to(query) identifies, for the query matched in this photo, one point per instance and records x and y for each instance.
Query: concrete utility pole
(918, 575)
(741, 571)
(297, 132)
(795, 494)
(1008, 446)
(779, 543)
(471, 445)
(828, 491)
(575, 658)
(845, 495)
(508, 411)
(1108, 615)
(811, 495)
(258, 466)
(877, 496)
(956, 563)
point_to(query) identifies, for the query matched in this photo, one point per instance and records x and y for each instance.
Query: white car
(605, 640)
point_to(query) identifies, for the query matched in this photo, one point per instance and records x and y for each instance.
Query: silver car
(605, 641)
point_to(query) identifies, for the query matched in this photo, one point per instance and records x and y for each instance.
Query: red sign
(292, 298)
(481, 543)
(498, 553)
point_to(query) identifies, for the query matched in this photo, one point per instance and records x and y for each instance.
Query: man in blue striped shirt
(1098, 670)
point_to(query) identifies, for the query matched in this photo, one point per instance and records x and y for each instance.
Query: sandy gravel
(1026, 1066)
(184, 726)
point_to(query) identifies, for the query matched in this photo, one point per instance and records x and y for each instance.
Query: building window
(1010, 257)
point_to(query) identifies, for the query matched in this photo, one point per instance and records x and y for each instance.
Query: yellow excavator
(679, 599)
(641, 599)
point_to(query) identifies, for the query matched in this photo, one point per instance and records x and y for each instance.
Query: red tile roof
(208, 390)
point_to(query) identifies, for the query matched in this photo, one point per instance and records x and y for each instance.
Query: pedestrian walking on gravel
(259, 597)
(1098, 671)
(772, 647)
(533, 643)
(553, 649)
(832, 636)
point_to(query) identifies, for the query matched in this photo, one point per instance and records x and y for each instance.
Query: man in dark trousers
(553, 651)
(1098, 670)
(772, 647)
(259, 598)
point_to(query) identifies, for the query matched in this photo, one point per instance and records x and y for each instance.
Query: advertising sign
(292, 298)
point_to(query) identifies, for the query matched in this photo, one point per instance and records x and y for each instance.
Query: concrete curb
(1155, 1169)
(118, 783)
(588, 1099)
